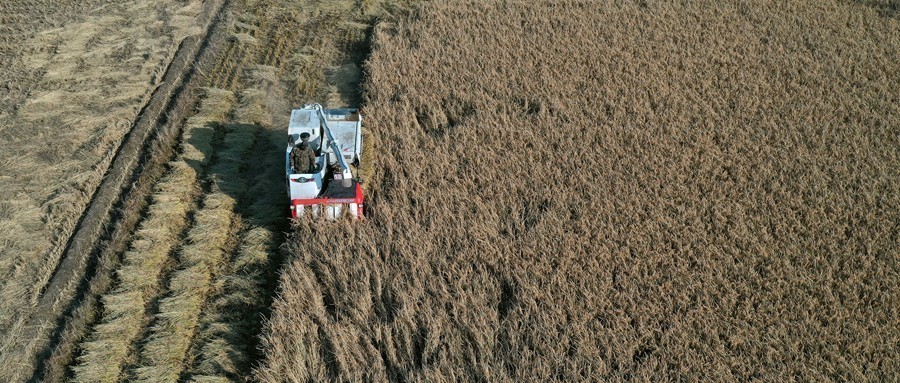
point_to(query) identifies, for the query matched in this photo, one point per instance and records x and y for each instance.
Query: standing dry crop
(616, 191)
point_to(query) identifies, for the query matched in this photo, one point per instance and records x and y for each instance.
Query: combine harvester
(328, 187)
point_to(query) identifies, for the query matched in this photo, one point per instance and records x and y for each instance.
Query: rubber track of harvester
(227, 71)
(157, 124)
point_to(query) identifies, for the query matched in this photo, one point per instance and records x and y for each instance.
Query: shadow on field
(885, 8)
(245, 162)
(256, 184)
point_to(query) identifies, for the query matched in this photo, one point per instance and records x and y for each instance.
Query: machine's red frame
(358, 200)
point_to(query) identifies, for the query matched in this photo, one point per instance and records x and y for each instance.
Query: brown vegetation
(231, 320)
(200, 261)
(197, 320)
(139, 277)
(72, 85)
(599, 190)
(71, 123)
(562, 190)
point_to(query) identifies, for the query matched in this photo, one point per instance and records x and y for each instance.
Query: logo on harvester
(303, 180)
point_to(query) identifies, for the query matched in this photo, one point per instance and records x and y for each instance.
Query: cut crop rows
(202, 260)
(155, 242)
(43, 339)
(198, 317)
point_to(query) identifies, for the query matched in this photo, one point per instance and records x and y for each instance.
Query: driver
(303, 159)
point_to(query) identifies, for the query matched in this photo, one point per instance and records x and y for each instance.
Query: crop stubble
(198, 320)
(58, 121)
(138, 282)
(64, 115)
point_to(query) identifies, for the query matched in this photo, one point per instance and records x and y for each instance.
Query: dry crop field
(74, 76)
(69, 93)
(613, 191)
(142, 191)
(561, 190)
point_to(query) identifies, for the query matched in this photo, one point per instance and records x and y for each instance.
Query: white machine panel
(348, 137)
(304, 121)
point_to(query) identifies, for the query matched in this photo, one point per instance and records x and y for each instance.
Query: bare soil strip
(155, 129)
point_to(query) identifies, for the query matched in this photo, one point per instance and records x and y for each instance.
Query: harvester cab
(328, 187)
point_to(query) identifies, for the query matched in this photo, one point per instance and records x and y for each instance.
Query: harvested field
(75, 83)
(613, 191)
(174, 200)
(84, 87)
(171, 267)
